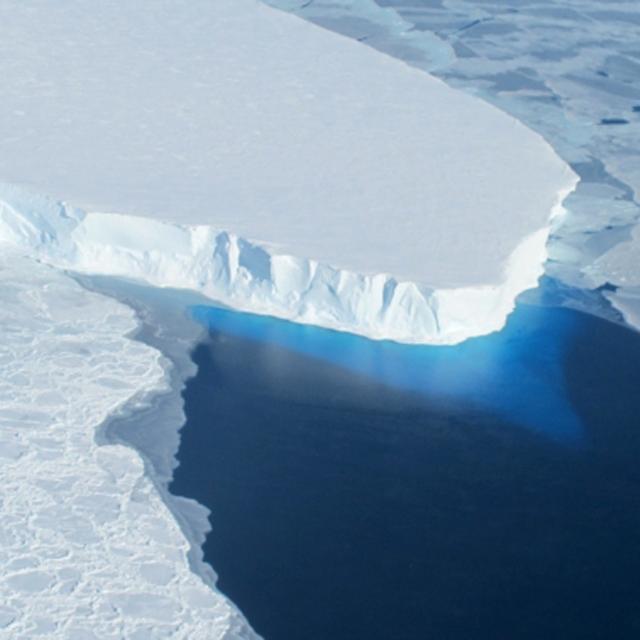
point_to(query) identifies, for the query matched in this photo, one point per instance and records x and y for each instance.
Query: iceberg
(246, 276)
(570, 74)
(271, 164)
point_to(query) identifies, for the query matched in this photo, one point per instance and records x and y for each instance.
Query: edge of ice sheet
(153, 430)
(88, 548)
(250, 277)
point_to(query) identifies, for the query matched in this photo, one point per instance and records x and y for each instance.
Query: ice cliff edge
(251, 277)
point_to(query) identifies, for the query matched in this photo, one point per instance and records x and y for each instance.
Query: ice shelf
(570, 72)
(307, 147)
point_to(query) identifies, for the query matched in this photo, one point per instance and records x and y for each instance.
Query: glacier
(247, 276)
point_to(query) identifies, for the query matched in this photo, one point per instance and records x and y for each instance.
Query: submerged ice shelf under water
(478, 373)
(310, 445)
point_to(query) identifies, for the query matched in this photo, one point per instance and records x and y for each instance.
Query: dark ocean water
(369, 490)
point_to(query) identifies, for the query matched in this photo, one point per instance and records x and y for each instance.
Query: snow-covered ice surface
(569, 69)
(347, 173)
(88, 548)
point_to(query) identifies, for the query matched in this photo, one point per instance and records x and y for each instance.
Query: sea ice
(621, 266)
(86, 542)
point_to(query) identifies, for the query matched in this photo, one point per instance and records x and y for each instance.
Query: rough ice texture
(87, 546)
(255, 122)
(381, 201)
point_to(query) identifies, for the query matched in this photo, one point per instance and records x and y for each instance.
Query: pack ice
(88, 548)
(273, 165)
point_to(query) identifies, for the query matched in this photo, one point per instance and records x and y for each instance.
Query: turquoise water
(516, 373)
(364, 489)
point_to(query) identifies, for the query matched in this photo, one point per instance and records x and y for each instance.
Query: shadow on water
(366, 489)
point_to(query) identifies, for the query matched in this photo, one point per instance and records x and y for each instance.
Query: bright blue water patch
(371, 490)
(516, 374)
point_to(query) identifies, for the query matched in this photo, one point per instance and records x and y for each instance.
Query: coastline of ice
(248, 277)
(367, 196)
(89, 548)
(153, 430)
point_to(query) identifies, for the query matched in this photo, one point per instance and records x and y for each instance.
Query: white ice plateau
(279, 167)
(263, 161)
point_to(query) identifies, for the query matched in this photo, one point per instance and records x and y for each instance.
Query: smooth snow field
(239, 116)
(365, 489)
(256, 123)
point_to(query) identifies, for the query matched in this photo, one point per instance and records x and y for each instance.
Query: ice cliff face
(248, 276)
(365, 195)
